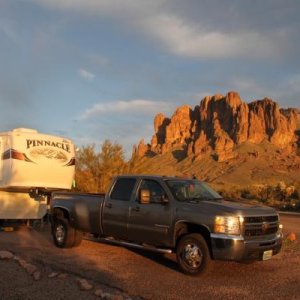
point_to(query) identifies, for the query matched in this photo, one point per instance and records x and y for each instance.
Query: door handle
(137, 208)
(108, 205)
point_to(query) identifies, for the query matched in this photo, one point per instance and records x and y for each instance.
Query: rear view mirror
(144, 196)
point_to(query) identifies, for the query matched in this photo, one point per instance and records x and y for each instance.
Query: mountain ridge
(222, 135)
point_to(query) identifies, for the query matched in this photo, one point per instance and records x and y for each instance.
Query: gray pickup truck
(169, 214)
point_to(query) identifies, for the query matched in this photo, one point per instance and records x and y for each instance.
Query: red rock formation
(199, 146)
(158, 139)
(268, 122)
(256, 129)
(242, 123)
(141, 149)
(221, 123)
(178, 131)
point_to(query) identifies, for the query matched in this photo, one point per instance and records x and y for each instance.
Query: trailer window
(123, 188)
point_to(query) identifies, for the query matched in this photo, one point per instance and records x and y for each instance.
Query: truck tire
(193, 255)
(64, 235)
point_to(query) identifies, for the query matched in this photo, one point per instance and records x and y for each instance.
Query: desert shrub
(296, 193)
(285, 193)
(265, 193)
(247, 193)
(233, 193)
(94, 171)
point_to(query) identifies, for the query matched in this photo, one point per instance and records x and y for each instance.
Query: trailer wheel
(64, 235)
(193, 255)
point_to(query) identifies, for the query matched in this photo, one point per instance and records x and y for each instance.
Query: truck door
(150, 223)
(116, 208)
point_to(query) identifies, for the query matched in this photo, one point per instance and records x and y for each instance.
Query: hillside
(226, 142)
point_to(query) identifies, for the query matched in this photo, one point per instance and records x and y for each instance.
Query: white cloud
(140, 107)
(181, 35)
(192, 40)
(86, 74)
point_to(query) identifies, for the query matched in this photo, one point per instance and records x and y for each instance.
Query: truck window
(187, 190)
(156, 190)
(122, 189)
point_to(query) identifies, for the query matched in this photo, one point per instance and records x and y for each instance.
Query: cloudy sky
(93, 70)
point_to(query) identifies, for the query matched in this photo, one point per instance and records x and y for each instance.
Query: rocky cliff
(218, 125)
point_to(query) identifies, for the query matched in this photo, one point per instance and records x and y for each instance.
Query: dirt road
(123, 273)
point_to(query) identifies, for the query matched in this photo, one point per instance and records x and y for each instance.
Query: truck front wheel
(193, 255)
(64, 235)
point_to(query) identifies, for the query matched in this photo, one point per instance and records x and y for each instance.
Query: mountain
(225, 140)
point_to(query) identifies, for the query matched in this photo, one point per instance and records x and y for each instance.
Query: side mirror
(164, 199)
(144, 196)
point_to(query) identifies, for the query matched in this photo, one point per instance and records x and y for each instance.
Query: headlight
(228, 224)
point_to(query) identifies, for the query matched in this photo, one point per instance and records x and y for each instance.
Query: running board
(133, 245)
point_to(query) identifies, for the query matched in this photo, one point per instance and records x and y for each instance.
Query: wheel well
(59, 212)
(183, 229)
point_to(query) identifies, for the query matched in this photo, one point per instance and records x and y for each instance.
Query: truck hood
(229, 207)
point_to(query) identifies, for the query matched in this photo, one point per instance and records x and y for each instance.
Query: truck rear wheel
(193, 255)
(64, 235)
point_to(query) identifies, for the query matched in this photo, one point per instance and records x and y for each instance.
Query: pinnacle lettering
(44, 143)
(29, 143)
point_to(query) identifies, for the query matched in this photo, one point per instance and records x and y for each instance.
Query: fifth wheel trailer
(32, 165)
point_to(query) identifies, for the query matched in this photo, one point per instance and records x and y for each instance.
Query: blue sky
(92, 70)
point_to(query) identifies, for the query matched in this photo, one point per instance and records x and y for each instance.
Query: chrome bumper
(236, 248)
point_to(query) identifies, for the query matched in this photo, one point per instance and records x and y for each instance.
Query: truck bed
(85, 209)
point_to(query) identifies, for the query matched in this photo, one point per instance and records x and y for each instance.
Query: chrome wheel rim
(60, 234)
(192, 255)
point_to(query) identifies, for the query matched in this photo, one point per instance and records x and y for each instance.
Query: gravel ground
(17, 284)
(120, 273)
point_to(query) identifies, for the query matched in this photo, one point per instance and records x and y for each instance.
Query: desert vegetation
(281, 195)
(95, 169)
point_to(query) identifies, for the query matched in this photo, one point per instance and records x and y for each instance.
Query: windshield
(191, 190)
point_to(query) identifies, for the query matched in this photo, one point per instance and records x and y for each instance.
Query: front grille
(261, 219)
(260, 225)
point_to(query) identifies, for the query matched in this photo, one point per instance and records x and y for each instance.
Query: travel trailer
(32, 165)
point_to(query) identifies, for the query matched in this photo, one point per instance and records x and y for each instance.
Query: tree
(265, 193)
(112, 163)
(87, 165)
(94, 171)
